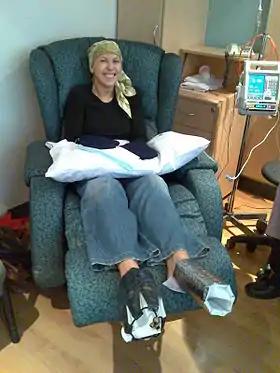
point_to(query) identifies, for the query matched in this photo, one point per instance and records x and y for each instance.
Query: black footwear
(143, 313)
(148, 288)
(129, 293)
(264, 288)
(267, 285)
(134, 282)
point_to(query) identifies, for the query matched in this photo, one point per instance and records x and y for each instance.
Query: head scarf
(124, 86)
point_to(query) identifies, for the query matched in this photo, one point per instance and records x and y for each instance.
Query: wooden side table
(6, 306)
(212, 114)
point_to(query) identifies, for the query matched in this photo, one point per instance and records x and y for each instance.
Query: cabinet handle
(191, 114)
(155, 34)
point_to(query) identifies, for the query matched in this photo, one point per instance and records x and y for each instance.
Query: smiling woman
(105, 64)
(106, 71)
(105, 108)
(121, 227)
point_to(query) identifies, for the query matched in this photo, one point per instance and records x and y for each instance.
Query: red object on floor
(15, 224)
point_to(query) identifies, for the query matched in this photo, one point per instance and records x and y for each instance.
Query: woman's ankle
(171, 262)
(126, 265)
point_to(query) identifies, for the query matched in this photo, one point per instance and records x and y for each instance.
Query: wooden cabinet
(167, 23)
(140, 20)
(214, 117)
(212, 114)
(191, 111)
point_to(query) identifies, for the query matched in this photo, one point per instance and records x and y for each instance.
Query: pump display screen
(263, 87)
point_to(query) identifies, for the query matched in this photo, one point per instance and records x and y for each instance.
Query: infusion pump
(258, 92)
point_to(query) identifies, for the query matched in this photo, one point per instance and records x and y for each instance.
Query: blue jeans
(132, 219)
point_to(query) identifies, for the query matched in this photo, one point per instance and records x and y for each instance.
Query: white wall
(23, 26)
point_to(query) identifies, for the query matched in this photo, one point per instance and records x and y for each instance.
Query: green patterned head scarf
(124, 86)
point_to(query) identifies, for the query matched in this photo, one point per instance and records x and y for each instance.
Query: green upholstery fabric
(37, 161)
(55, 209)
(188, 208)
(46, 216)
(169, 80)
(202, 162)
(205, 188)
(198, 177)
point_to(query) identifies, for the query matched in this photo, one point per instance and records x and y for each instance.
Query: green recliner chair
(57, 237)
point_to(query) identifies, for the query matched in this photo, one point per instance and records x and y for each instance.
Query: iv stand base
(229, 214)
(236, 220)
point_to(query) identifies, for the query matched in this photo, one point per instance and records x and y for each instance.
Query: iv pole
(229, 214)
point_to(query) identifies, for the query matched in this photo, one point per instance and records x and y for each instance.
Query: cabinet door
(184, 24)
(227, 142)
(140, 20)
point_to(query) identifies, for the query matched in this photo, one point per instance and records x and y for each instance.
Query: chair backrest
(59, 66)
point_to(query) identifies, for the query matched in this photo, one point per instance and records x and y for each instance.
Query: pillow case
(74, 162)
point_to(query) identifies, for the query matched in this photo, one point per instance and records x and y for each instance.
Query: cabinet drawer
(196, 114)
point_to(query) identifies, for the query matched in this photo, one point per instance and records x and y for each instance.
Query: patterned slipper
(129, 293)
(148, 288)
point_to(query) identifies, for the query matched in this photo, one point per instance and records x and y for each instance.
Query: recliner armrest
(199, 177)
(204, 185)
(47, 231)
(202, 162)
(37, 162)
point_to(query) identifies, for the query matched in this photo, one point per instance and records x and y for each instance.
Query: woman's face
(107, 69)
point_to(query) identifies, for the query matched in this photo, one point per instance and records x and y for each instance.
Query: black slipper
(148, 288)
(134, 282)
(129, 293)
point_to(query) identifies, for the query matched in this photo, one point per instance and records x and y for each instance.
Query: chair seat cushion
(93, 294)
(271, 172)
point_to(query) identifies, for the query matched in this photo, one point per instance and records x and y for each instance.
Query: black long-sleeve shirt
(86, 114)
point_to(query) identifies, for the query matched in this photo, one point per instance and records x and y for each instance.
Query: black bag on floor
(15, 255)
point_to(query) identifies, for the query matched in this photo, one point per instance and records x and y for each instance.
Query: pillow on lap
(74, 162)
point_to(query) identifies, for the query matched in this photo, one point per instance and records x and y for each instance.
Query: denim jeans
(132, 219)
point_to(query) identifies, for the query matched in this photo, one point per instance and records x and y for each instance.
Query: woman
(126, 222)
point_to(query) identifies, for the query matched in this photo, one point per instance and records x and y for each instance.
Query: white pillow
(73, 162)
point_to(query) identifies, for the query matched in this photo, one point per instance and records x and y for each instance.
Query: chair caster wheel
(263, 274)
(230, 245)
(261, 227)
(251, 248)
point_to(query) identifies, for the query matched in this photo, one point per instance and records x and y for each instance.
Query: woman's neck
(104, 94)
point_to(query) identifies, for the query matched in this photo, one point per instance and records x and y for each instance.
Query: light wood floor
(247, 341)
